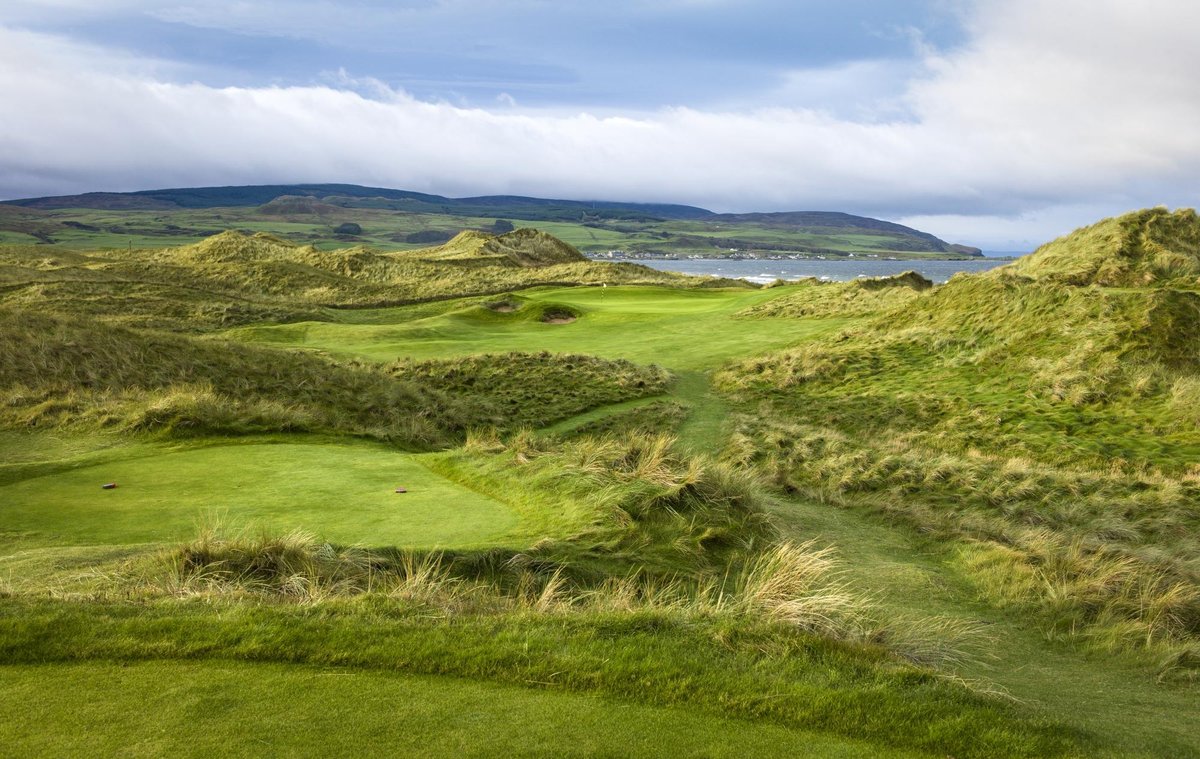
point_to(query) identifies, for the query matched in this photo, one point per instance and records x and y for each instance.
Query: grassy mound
(515, 390)
(1019, 368)
(648, 509)
(1148, 247)
(298, 205)
(514, 308)
(656, 417)
(233, 278)
(56, 371)
(522, 247)
(859, 297)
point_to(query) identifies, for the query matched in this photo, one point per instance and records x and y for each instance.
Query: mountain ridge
(327, 199)
(255, 195)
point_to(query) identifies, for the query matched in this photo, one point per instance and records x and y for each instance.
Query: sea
(842, 270)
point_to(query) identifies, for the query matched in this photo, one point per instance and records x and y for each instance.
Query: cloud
(1072, 106)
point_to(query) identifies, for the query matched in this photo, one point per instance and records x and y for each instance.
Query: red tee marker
(108, 485)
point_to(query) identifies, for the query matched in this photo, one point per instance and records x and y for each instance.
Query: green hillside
(1044, 413)
(340, 216)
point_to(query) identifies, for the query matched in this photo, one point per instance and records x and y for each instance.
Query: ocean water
(839, 271)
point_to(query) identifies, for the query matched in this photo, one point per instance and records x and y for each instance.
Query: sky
(996, 123)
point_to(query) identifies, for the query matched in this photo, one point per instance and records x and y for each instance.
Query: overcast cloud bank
(1048, 116)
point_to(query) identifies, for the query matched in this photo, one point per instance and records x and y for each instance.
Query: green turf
(230, 709)
(689, 332)
(677, 329)
(344, 493)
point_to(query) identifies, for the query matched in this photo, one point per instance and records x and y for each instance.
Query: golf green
(340, 493)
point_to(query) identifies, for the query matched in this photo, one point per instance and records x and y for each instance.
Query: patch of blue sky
(629, 55)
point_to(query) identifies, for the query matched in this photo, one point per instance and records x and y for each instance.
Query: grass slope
(1149, 247)
(860, 297)
(1048, 424)
(60, 371)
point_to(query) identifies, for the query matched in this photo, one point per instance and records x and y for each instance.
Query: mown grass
(345, 492)
(647, 657)
(680, 329)
(672, 569)
(912, 573)
(228, 708)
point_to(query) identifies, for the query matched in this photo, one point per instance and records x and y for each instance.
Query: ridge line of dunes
(233, 279)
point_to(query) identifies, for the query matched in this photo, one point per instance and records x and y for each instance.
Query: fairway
(675, 328)
(341, 493)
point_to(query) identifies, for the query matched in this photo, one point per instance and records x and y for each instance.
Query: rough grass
(657, 417)
(522, 247)
(533, 389)
(1014, 368)
(1044, 422)
(635, 503)
(780, 638)
(58, 371)
(759, 671)
(549, 615)
(231, 278)
(860, 297)
(1149, 247)
(1041, 433)
(1107, 559)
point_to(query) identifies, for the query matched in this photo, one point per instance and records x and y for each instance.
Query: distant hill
(393, 218)
(834, 222)
(356, 196)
